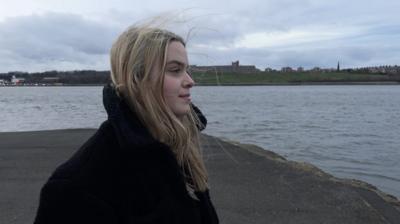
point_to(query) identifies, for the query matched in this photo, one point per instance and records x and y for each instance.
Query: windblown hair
(135, 56)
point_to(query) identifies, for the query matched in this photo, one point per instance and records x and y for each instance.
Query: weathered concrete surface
(248, 184)
(26, 161)
(252, 185)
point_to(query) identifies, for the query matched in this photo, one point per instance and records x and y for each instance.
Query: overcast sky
(42, 35)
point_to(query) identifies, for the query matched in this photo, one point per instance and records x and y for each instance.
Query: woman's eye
(175, 70)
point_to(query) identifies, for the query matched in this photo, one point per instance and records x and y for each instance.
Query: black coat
(121, 175)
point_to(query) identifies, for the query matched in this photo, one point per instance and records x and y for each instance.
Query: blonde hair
(134, 55)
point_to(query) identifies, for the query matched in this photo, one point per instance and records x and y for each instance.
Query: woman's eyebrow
(176, 62)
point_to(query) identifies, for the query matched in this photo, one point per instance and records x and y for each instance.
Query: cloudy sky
(40, 35)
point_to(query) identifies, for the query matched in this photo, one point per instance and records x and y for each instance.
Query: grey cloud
(376, 45)
(370, 34)
(325, 57)
(53, 40)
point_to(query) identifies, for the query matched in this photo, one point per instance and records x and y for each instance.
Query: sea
(349, 131)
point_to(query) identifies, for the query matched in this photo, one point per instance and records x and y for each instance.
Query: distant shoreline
(240, 84)
(304, 84)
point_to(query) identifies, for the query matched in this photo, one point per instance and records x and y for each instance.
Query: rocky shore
(248, 184)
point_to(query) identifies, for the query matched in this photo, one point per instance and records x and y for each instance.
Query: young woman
(143, 164)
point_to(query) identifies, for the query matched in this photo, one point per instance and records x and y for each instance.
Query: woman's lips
(185, 96)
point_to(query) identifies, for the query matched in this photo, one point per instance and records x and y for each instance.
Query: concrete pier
(248, 184)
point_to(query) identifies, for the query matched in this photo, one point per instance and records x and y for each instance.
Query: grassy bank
(267, 78)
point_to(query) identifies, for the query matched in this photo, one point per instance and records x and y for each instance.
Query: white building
(17, 81)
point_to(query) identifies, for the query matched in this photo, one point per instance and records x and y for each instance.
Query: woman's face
(177, 82)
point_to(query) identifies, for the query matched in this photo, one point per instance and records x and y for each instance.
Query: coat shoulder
(92, 152)
(63, 202)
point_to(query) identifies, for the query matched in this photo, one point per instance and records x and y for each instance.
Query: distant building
(373, 70)
(268, 70)
(300, 69)
(392, 70)
(17, 81)
(2, 82)
(235, 67)
(316, 69)
(286, 69)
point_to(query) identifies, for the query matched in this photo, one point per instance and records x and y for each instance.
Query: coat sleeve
(61, 202)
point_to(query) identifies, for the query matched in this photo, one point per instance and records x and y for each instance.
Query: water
(43, 108)
(349, 131)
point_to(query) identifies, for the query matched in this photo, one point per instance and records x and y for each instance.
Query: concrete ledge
(248, 184)
(253, 185)
(315, 170)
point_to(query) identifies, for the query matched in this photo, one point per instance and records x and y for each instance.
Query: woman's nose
(188, 81)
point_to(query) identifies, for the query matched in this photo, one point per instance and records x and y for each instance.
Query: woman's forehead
(176, 54)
